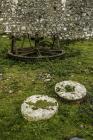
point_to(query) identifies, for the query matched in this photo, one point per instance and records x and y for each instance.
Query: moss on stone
(41, 104)
(69, 88)
(58, 89)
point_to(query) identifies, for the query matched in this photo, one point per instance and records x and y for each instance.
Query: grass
(21, 80)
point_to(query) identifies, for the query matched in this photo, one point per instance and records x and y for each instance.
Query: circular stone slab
(39, 107)
(70, 90)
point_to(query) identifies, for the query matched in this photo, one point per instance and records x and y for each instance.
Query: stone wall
(70, 19)
(79, 19)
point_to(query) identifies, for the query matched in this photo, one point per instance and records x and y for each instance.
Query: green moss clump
(41, 104)
(69, 88)
(58, 89)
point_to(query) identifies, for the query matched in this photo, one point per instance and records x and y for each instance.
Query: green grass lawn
(21, 80)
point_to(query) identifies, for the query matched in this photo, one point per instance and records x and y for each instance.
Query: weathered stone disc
(76, 138)
(70, 90)
(39, 107)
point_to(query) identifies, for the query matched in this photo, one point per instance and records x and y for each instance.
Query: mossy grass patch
(67, 122)
(69, 88)
(41, 104)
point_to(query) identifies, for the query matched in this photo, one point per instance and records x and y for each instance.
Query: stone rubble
(46, 77)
